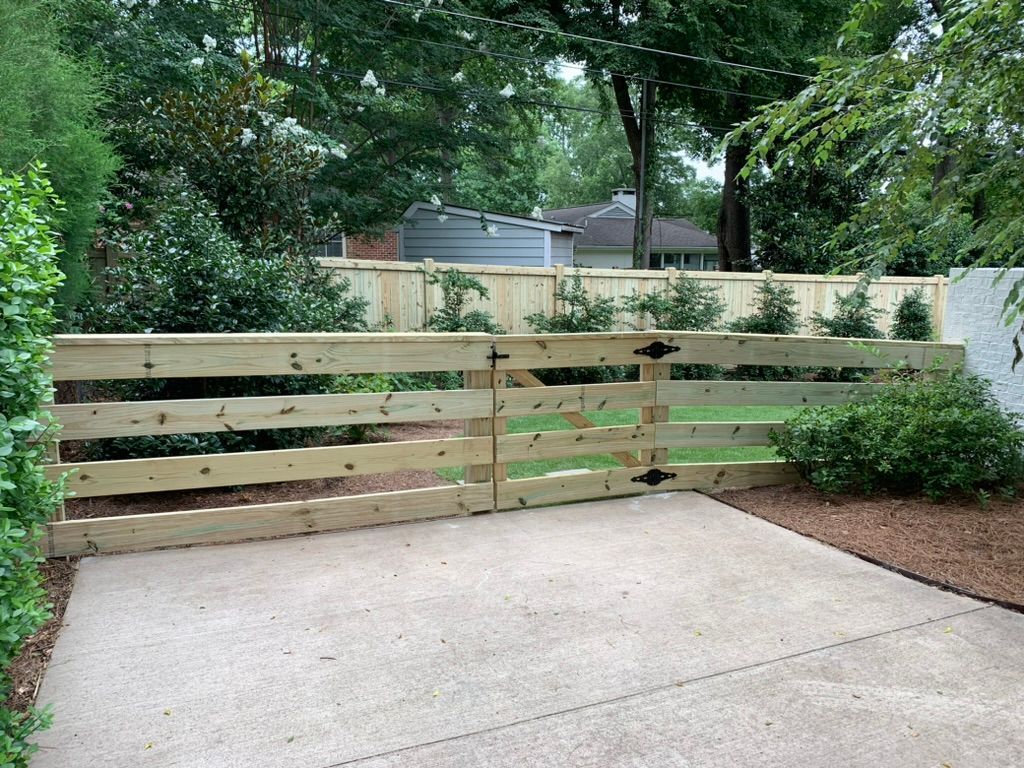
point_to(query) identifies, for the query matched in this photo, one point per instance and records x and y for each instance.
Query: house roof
(617, 232)
(529, 222)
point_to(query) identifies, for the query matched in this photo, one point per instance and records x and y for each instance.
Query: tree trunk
(734, 215)
(640, 136)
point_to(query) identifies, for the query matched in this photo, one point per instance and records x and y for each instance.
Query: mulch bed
(27, 670)
(957, 543)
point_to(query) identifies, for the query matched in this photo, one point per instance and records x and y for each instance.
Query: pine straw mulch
(27, 670)
(958, 543)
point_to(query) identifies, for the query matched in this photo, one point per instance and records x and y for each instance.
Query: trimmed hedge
(29, 279)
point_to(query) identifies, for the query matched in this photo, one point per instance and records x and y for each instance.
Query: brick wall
(973, 309)
(382, 248)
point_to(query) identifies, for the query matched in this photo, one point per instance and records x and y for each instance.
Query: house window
(334, 248)
(694, 262)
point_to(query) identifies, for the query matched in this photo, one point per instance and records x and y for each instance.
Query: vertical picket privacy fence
(490, 364)
(399, 293)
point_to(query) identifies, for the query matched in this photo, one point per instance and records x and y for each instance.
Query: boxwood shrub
(28, 281)
(939, 434)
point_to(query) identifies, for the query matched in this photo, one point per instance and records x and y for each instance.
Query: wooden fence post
(559, 277)
(939, 306)
(428, 271)
(481, 427)
(658, 414)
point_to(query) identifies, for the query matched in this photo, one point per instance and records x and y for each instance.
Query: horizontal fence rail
(501, 381)
(400, 292)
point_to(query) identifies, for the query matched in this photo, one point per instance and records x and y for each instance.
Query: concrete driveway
(669, 630)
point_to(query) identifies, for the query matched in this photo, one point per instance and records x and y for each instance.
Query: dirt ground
(957, 543)
(27, 670)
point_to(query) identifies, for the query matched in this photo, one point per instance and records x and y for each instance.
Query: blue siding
(460, 240)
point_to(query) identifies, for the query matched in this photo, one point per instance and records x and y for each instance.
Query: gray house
(458, 235)
(606, 239)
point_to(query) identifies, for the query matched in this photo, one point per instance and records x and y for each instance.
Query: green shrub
(454, 316)
(912, 319)
(579, 313)
(29, 278)
(688, 305)
(919, 434)
(774, 314)
(186, 275)
(854, 318)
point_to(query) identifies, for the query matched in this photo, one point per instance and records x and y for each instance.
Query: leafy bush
(579, 313)
(912, 319)
(854, 318)
(688, 305)
(186, 275)
(48, 105)
(453, 316)
(775, 314)
(919, 434)
(28, 281)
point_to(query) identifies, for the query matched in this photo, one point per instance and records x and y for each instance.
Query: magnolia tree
(939, 110)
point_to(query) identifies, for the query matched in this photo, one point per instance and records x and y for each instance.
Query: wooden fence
(400, 295)
(485, 404)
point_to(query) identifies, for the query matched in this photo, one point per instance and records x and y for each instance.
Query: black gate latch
(654, 477)
(656, 350)
(494, 356)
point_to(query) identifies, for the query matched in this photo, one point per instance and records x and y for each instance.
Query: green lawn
(550, 422)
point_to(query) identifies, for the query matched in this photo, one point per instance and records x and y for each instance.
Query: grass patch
(554, 422)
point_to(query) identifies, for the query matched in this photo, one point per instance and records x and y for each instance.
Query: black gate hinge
(656, 350)
(494, 357)
(654, 477)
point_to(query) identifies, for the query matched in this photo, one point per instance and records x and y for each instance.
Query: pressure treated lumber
(168, 417)
(211, 526)
(144, 356)
(532, 401)
(715, 434)
(654, 372)
(762, 392)
(568, 350)
(578, 420)
(533, 446)
(110, 478)
(557, 489)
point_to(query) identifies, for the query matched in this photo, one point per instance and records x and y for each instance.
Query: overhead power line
(512, 56)
(599, 40)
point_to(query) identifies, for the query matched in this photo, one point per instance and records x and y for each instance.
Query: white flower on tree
(247, 137)
(338, 152)
(467, 36)
(379, 90)
(458, 77)
(442, 217)
(197, 62)
(537, 213)
(369, 80)
(491, 230)
(209, 43)
(435, 200)
(507, 92)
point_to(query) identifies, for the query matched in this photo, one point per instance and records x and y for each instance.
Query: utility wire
(602, 41)
(511, 56)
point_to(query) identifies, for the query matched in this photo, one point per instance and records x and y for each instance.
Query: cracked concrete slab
(664, 630)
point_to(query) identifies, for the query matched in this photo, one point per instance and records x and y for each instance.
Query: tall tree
(775, 37)
(942, 107)
(48, 114)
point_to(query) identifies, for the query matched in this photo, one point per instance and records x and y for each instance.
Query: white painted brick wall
(973, 309)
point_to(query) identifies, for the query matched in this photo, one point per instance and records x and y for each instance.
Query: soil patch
(301, 490)
(27, 670)
(957, 542)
